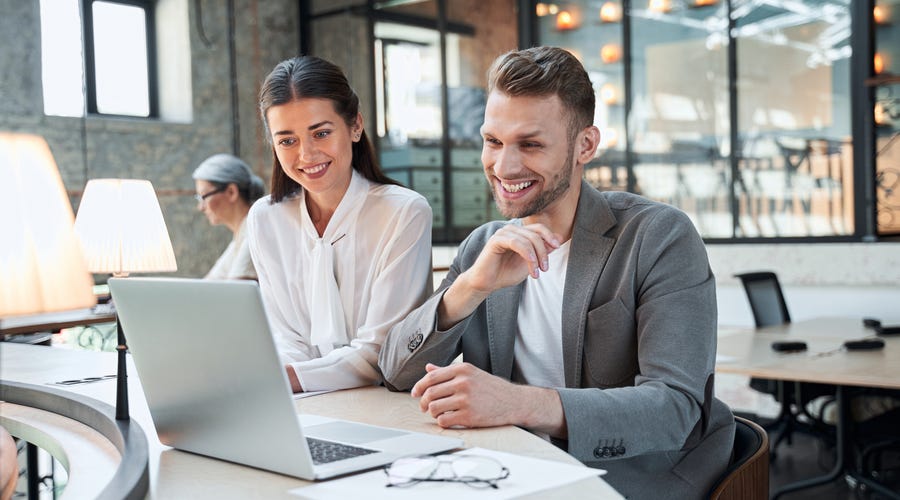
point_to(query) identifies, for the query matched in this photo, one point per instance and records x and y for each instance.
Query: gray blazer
(639, 345)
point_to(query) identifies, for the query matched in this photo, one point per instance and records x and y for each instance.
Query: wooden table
(177, 474)
(749, 352)
(53, 322)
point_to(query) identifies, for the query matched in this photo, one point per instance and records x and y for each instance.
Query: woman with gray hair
(226, 188)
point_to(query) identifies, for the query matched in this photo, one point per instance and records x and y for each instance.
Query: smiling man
(588, 318)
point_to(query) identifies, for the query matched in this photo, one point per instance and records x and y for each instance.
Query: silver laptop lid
(224, 405)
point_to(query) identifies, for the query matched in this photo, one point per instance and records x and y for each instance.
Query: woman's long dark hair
(309, 76)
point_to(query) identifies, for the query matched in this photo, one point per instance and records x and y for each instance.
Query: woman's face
(314, 145)
(213, 201)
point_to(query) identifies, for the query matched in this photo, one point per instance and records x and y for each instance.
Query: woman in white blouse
(341, 250)
(226, 188)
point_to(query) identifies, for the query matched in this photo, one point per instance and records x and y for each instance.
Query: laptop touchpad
(348, 432)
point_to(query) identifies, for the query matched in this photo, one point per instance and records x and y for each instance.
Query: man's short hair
(546, 71)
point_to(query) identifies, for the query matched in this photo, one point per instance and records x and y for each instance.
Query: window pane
(886, 16)
(794, 118)
(408, 76)
(120, 53)
(592, 32)
(61, 58)
(679, 124)
(887, 160)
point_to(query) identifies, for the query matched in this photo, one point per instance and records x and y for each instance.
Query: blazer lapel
(502, 309)
(588, 254)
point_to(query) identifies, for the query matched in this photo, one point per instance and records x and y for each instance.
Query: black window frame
(862, 120)
(87, 23)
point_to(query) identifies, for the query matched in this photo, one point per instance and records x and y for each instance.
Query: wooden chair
(747, 478)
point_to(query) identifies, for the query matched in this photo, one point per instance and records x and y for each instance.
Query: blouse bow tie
(326, 310)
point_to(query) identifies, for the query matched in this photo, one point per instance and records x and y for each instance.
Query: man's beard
(560, 184)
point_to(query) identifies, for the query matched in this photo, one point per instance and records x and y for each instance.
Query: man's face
(528, 156)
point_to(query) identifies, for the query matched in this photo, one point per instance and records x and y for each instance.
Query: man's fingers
(533, 242)
(551, 239)
(436, 393)
(435, 375)
(441, 402)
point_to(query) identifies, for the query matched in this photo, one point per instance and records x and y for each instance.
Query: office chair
(769, 308)
(747, 477)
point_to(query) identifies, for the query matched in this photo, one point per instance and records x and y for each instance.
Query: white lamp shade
(121, 228)
(41, 264)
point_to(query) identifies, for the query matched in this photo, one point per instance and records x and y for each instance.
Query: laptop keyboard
(324, 452)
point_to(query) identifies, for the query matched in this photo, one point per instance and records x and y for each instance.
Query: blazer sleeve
(403, 281)
(414, 342)
(674, 316)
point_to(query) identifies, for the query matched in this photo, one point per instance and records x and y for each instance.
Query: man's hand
(511, 254)
(462, 395)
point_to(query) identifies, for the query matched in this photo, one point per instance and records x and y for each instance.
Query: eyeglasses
(86, 380)
(471, 470)
(202, 197)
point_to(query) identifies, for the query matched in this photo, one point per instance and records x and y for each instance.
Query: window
(740, 113)
(117, 55)
(886, 83)
(425, 89)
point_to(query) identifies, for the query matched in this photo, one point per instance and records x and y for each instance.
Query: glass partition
(410, 131)
(886, 66)
(408, 101)
(593, 32)
(795, 173)
(678, 81)
(679, 122)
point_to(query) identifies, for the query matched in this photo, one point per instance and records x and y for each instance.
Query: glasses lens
(478, 469)
(204, 196)
(474, 471)
(407, 470)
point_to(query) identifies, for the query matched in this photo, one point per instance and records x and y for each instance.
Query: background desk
(53, 322)
(176, 474)
(749, 352)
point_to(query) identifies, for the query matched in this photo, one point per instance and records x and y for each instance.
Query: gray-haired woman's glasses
(472, 470)
(202, 197)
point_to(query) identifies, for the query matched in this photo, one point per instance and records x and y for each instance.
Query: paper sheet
(724, 358)
(301, 395)
(527, 476)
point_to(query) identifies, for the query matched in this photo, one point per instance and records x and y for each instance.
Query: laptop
(215, 385)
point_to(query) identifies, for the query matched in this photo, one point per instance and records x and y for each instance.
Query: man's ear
(588, 140)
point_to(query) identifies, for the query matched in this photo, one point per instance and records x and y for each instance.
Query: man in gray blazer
(609, 348)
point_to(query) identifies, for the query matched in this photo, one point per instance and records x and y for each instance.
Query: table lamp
(41, 264)
(122, 231)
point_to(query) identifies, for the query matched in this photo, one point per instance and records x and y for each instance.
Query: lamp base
(121, 376)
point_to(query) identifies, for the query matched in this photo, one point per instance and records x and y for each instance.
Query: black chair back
(766, 300)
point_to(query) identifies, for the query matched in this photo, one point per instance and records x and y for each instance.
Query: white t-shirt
(235, 261)
(538, 350)
(381, 239)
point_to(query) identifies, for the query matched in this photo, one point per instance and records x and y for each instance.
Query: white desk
(749, 352)
(176, 474)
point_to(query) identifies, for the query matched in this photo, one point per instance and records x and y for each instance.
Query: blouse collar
(345, 214)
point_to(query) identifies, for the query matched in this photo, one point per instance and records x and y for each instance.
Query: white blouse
(381, 241)
(235, 262)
